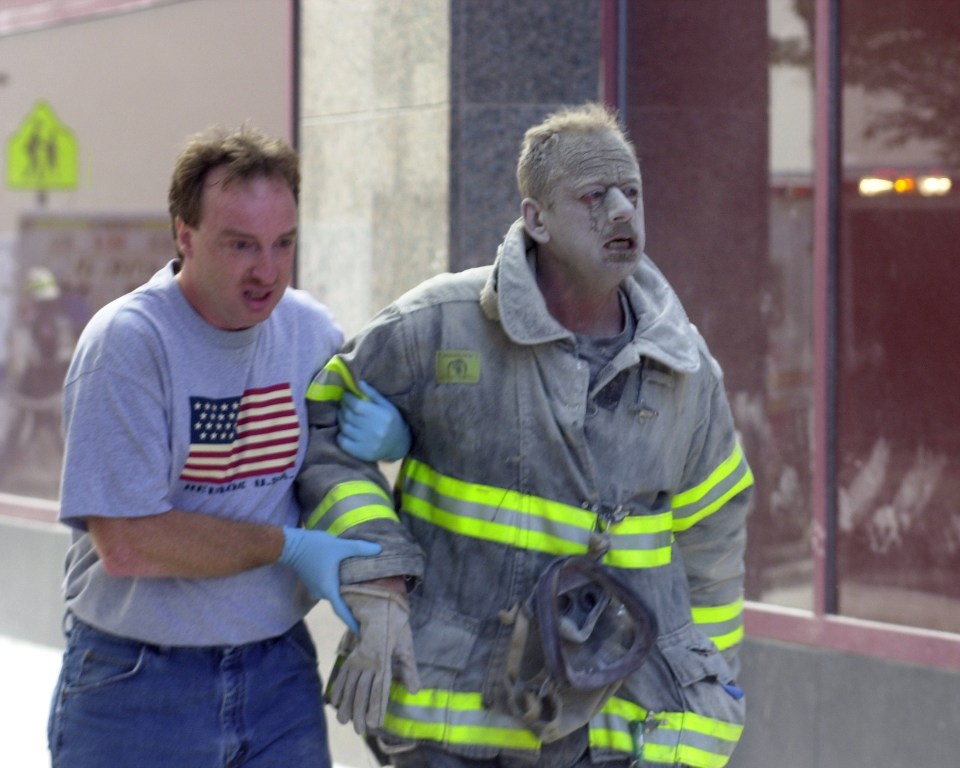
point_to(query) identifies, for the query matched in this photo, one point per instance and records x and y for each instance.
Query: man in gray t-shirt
(188, 575)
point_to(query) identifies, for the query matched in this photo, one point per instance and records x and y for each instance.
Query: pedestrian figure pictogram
(42, 153)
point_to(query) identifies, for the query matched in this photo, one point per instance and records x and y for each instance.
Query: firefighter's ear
(531, 210)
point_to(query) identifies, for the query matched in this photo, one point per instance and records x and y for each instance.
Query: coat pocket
(703, 677)
(443, 638)
(682, 704)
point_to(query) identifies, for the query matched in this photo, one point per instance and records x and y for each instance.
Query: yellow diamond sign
(42, 154)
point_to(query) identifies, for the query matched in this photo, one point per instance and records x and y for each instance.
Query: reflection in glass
(779, 558)
(41, 338)
(64, 267)
(898, 429)
(721, 110)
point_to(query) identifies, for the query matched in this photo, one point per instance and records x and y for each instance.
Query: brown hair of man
(545, 149)
(246, 153)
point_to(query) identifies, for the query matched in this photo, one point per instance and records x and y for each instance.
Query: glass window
(898, 422)
(781, 522)
(721, 110)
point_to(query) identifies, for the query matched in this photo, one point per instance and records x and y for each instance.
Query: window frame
(822, 627)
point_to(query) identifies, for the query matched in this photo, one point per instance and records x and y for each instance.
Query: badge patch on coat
(458, 366)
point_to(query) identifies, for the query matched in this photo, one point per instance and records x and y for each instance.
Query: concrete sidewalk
(28, 674)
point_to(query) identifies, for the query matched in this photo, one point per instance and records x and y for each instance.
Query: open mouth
(622, 244)
(257, 296)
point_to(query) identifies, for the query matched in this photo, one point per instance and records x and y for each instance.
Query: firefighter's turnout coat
(517, 460)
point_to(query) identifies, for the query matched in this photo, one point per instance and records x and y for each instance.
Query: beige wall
(131, 86)
(374, 207)
(374, 137)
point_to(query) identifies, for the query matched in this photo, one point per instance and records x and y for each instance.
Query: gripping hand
(316, 556)
(384, 651)
(372, 428)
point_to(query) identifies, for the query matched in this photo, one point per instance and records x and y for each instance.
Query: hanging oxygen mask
(575, 639)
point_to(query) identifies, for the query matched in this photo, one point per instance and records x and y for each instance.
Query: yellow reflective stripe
(641, 541)
(627, 710)
(486, 512)
(437, 698)
(728, 639)
(489, 530)
(638, 558)
(683, 523)
(604, 730)
(529, 522)
(695, 758)
(361, 515)
(678, 737)
(336, 366)
(701, 742)
(699, 491)
(500, 498)
(450, 717)
(695, 496)
(708, 726)
(609, 738)
(448, 733)
(344, 506)
(718, 614)
(324, 393)
(723, 624)
(329, 384)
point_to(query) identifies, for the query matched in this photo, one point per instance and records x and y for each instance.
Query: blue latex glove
(372, 428)
(316, 556)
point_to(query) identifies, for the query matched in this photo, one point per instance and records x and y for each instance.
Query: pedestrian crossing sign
(42, 153)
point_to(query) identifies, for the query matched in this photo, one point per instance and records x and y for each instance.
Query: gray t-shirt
(597, 351)
(164, 411)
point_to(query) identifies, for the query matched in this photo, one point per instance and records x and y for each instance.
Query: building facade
(801, 168)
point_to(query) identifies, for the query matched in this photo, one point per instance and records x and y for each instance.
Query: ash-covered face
(591, 228)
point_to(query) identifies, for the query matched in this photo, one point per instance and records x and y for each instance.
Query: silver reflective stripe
(675, 737)
(725, 482)
(723, 624)
(349, 504)
(530, 522)
(331, 382)
(450, 717)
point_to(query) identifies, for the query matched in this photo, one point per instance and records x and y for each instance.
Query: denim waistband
(72, 623)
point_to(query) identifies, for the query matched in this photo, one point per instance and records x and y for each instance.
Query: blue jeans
(125, 703)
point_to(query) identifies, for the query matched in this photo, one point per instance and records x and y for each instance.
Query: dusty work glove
(384, 651)
(316, 557)
(371, 427)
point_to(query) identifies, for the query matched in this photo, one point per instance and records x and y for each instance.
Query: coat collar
(512, 297)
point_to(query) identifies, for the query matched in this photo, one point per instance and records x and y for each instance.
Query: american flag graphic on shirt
(236, 437)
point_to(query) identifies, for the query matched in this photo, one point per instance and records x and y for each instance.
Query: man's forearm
(183, 544)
